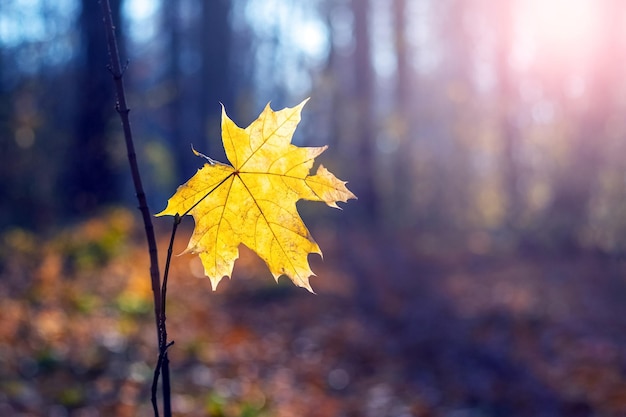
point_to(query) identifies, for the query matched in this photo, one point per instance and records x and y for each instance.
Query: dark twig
(155, 378)
(170, 250)
(163, 330)
(122, 108)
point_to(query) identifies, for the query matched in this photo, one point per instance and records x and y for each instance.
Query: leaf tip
(162, 213)
(306, 285)
(215, 282)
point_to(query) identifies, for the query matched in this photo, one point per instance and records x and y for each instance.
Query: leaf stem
(163, 361)
(177, 220)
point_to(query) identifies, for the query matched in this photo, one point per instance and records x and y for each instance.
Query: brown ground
(391, 332)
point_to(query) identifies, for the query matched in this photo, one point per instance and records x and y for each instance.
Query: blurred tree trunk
(196, 111)
(364, 186)
(507, 100)
(6, 146)
(216, 86)
(361, 99)
(451, 141)
(174, 127)
(403, 92)
(91, 180)
(401, 124)
(337, 77)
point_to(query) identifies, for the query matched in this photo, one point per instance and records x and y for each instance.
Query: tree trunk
(363, 94)
(91, 176)
(507, 101)
(216, 84)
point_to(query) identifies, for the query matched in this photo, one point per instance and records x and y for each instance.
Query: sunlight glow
(140, 16)
(23, 21)
(290, 37)
(559, 29)
(140, 9)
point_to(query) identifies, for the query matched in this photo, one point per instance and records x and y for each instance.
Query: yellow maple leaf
(254, 201)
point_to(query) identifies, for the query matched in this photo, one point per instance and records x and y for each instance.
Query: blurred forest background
(481, 271)
(493, 123)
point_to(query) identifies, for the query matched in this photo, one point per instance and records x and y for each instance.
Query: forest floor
(391, 332)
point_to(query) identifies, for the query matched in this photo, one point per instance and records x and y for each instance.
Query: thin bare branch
(117, 71)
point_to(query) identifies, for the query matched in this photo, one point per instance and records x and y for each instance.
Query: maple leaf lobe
(253, 202)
